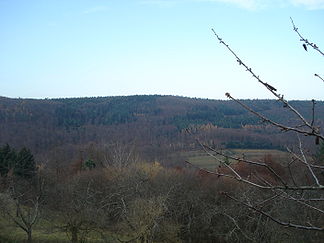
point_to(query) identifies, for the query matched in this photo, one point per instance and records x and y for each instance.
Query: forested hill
(150, 120)
(177, 111)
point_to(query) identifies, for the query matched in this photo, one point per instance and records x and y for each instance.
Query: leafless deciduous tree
(300, 184)
(21, 204)
(79, 205)
(119, 155)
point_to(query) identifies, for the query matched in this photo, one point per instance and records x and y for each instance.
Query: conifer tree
(7, 159)
(25, 165)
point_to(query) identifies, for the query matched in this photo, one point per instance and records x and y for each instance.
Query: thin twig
(312, 132)
(301, 160)
(240, 179)
(286, 224)
(306, 42)
(313, 112)
(307, 164)
(266, 85)
(238, 227)
(302, 202)
(312, 199)
(219, 160)
(316, 75)
(246, 161)
(290, 172)
(270, 198)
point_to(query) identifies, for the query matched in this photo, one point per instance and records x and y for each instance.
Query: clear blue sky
(77, 48)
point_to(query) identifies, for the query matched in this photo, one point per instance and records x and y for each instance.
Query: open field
(43, 232)
(203, 160)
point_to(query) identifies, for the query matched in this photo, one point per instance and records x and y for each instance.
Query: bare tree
(78, 206)
(21, 204)
(119, 156)
(300, 185)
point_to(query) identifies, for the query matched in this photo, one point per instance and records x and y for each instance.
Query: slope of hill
(155, 123)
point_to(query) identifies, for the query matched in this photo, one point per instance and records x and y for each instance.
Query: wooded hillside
(154, 124)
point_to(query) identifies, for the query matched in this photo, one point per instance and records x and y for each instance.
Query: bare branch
(304, 160)
(297, 158)
(219, 160)
(313, 132)
(268, 86)
(240, 179)
(311, 199)
(316, 75)
(313, 112)
(302, 202)
(306, 42)
(246, 161)
(305, 127)
(290, 172)
(278, 221)
(238, 227)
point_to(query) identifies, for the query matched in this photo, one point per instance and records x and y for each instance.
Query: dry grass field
(203, 160)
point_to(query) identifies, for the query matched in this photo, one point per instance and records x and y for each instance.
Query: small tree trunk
(189, 228)
(29, 236)
(74, 233)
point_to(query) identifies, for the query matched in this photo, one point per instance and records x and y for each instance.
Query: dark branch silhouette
(306, 42)
(284, 190)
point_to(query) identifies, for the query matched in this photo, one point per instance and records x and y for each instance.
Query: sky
(89, 48)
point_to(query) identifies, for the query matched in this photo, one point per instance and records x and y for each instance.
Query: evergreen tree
(89, 164)
(7, 159)
(25, 165)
